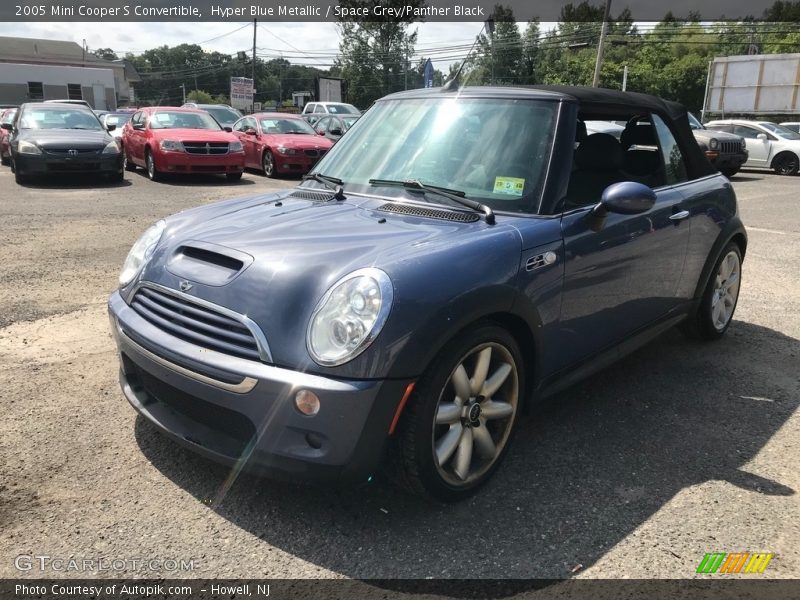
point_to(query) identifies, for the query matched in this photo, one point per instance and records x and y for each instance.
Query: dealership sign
(241, 93)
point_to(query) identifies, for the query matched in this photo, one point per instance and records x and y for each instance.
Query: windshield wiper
(332, 183)
(455, 195)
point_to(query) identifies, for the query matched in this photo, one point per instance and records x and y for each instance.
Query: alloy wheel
(475, 413)
(726, 291)
(151, 166)
(787, 164)
(268, 164)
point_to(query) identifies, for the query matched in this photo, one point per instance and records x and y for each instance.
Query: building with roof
(58, 54)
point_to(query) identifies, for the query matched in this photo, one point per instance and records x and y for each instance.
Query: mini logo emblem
(185, 286)
(72, 152)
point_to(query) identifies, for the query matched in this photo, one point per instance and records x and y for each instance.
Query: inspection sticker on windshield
(512, 186)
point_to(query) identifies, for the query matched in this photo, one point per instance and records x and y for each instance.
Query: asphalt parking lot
(682, 449)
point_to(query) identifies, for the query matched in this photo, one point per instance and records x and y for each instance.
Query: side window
(137, 118)
(309, 108)
(239, 125)
(749, 133)
(319, 108)
(322, 125)
(674, 163)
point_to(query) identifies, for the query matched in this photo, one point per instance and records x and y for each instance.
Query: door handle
(680, 216)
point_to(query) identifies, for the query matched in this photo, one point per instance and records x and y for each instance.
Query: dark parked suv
(726, 151)
(457, 257)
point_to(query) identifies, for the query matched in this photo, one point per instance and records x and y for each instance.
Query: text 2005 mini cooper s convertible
(456, 257)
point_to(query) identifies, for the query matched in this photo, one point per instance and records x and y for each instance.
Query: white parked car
(330, 108)
(118, 119)
(793, 125)
(770, 146)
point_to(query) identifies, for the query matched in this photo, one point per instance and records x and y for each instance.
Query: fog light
(307, 402)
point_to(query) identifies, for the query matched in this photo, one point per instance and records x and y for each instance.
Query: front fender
(734, 228)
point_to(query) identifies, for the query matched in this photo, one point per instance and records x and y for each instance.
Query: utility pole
(255, 28)
(489, 23)
(625, 78)
(603, 31)
(183, 88)
(83, 47)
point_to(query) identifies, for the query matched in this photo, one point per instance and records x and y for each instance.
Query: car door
(626, 274)
(136, 136)
(759, 149)
(335, 129)
(246, 129)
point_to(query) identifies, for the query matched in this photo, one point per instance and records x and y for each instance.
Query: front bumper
(299, 164)
(40, 164)
(241, 412)
(727, 161)
(184, 162)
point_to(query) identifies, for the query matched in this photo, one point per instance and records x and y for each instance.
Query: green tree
(500, 56)
(105, 53)
(375, 55)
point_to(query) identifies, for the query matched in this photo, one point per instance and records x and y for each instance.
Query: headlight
(744, 144)
(287, 151)
(235, 147)
(141, 252)
(171, 146)
(111, 148)
(28, 148)
(349, 317)
(713, 143)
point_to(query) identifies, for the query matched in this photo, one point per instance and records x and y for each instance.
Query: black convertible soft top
(600, 103)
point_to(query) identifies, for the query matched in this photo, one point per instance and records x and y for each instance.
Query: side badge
(541, 260)
(185, 286)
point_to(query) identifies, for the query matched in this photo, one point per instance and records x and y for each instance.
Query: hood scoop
(430, 213)
(313, 196)
(206, 263)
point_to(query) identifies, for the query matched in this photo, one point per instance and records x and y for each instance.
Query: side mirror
(138, 126)
(110, 127)
(762, 136)
(8, 126)
(320, 133)
(624, 198)
(228, 129)
(250, 131)
(336, 131)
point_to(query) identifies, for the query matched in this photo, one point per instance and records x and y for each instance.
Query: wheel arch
(783, 153)
(735, 232)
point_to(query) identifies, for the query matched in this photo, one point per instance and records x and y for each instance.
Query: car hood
(291, 250)
(722, 136)
(198, 135)
(66, 138)
(296, 140)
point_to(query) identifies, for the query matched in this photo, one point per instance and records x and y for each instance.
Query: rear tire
(18, 177)
(447, 447)
(786, 163)
(715, 313)
(127, 162)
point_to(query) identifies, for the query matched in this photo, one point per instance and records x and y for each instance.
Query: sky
(289, 37)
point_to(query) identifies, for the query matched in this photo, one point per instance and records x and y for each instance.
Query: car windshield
(118, 119)
(182, 120)
(693, 122)
(342, 109)
(781, 131)
(59, 118)
(493, 150)
(223, 115)
(299, 126)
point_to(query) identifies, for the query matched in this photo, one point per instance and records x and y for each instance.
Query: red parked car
(280, 143)
(165, 139)
(6, 116)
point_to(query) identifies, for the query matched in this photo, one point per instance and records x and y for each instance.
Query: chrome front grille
(198, 322)
(206, 147)
(314, 153)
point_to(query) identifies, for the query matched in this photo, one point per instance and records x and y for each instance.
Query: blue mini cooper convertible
(456, 257)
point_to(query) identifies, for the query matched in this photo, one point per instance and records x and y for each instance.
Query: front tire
(127, 162)
(153, 173)
(715, 313)
(233, 176)
(729, 172)
(455, 431)
(786, 163)
(268, 164)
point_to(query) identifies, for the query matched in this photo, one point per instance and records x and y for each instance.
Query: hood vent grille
(313, 196)
(430, 213)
